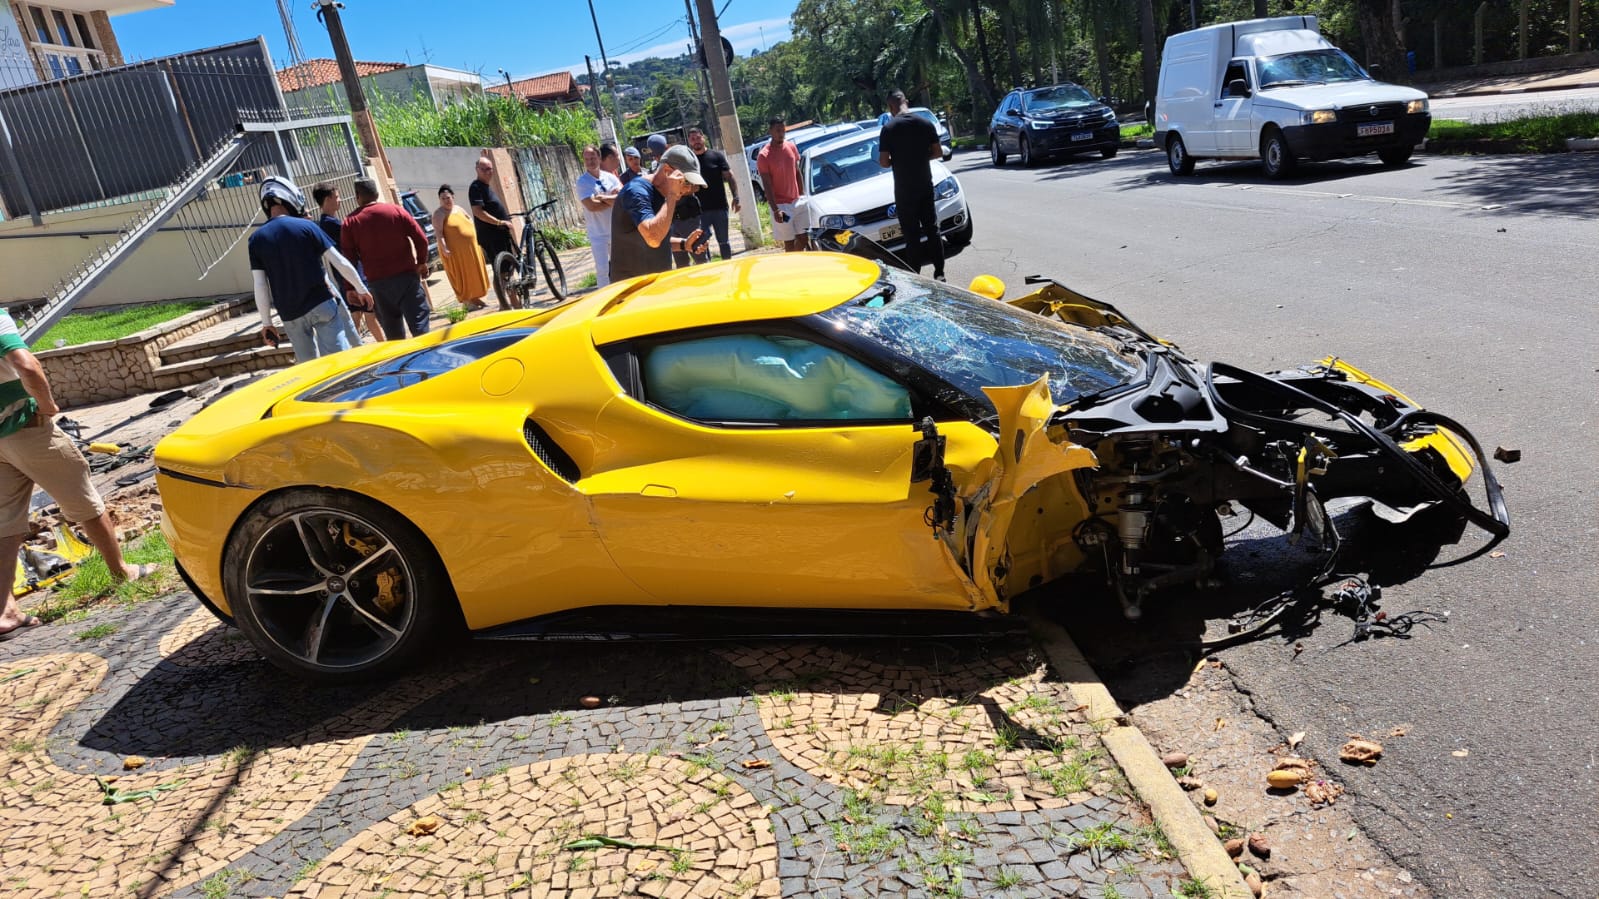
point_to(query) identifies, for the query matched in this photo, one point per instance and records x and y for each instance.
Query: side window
(1236, 70)
(767, 378)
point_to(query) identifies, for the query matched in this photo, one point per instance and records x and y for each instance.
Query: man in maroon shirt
(392, 250)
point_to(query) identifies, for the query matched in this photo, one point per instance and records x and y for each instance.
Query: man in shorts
(34, 451)
(778, 166)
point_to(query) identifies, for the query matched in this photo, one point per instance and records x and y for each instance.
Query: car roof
(747, 289)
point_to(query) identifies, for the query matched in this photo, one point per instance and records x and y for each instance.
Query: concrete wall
(162, 268)
(423, 169)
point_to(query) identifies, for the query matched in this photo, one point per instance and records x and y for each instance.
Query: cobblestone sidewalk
(845, 768)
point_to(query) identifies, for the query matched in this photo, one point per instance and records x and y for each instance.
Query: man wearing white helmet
(286, 257)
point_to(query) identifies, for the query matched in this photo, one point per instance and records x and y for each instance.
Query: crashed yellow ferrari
(812, 431)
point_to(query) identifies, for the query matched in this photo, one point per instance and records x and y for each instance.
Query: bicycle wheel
(554, 275)
(507, 280)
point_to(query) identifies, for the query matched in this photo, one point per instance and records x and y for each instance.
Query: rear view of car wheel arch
(335, 587)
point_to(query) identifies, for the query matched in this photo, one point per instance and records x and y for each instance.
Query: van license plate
(1083, 135)
(1374, 128)
(887, 234)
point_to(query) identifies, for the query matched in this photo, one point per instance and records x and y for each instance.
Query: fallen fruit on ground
(1211, 796)
(589, 702)
(1286, 778)
(1234, 846)
(1259, 845)
(1253, 881)
(1322, 792)
(1189, 782)
(133, 762)
(1360, 752)
(1174, 759)
(424, 825)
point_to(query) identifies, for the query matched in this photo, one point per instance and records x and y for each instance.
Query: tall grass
(486, 120)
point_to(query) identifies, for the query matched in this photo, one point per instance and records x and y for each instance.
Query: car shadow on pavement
(215, 694)
(1148, 659)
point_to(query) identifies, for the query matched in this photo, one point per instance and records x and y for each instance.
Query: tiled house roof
(321, 71)
(556, 87)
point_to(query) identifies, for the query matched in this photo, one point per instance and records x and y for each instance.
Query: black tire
(1177, 158)
(508, 280)
(1276, 160)
(1024, 152)
(554, 275)
(1109, 152)
(1395, 156)
(995, 154)
(313, 567)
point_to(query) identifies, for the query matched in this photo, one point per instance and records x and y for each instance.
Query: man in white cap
(286, 258)
(634, 163)
(641, 219)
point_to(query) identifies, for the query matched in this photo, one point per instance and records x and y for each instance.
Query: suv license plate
(1373, 129)
(1083, 135)
(889, 233)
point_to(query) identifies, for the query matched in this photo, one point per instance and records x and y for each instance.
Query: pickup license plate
(1083, 135)
(887, 234)
(1373, 129)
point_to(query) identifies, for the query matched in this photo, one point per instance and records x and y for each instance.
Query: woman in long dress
(458, 247)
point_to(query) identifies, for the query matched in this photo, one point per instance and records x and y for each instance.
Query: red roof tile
(317, 72)
(554, 86)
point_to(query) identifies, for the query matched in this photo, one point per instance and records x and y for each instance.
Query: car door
(1006, 125)
(761, 467)
(1235, 130)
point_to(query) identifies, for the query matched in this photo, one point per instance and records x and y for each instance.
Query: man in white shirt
(596, 189)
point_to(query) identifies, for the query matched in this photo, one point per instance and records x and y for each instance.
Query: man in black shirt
(492, 219)
(713, 200)
(908, 144)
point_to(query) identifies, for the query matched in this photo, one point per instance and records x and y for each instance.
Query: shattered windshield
(850, 164)
(974, 342)
(1310, 67)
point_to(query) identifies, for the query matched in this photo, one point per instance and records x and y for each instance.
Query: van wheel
(1108, 153)
(1177, 157)
(1024, 151)
(994, 152)
(1275, 157)
(1395, 156)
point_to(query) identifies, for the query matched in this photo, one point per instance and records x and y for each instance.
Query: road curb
(1197, 847)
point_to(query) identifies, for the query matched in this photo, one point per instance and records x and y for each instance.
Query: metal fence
(115, 136)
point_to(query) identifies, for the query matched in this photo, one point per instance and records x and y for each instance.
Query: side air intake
(550, 452)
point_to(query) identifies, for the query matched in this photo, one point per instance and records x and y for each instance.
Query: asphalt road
(1496, 107)
(1469, 283)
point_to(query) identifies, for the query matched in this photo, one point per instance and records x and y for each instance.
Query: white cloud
(744, 37)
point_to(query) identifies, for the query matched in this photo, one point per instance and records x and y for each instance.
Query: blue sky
(525, 37)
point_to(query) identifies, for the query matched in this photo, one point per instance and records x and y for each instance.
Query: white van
(1276, 89)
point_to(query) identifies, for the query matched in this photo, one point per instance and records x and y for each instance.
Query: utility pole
(328, 12)
(749, 220)
(702, 78)
(599, 109)
(605, 62)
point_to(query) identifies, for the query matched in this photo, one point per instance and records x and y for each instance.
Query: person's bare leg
(102, 534)
(11, 612)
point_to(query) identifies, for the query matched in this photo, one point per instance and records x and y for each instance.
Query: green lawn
(1536, 134)
(87, 327)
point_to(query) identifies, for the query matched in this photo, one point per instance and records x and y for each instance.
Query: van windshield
(1328, 66)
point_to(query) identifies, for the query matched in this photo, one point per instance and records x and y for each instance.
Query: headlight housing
(1038, 125)
(1320, 117)
(1416, 107)
(946, 188)
(838, 221)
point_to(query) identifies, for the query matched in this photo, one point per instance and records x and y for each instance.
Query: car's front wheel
(1024, 151)
(995, 154)
(1395, 156)
(335, 587)
(1276, 160)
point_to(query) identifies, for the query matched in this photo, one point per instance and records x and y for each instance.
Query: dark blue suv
(1048, 121)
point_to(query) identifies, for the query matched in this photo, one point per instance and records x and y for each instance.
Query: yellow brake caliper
(388, 581)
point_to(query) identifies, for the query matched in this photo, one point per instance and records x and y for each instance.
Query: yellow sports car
(781, 432)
